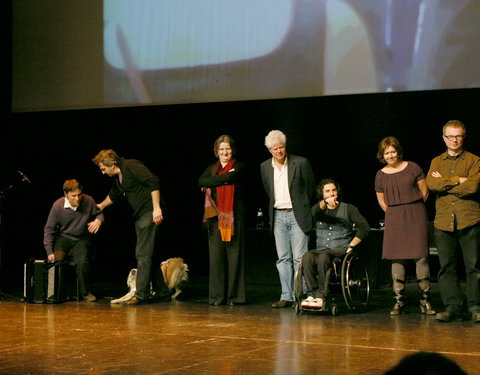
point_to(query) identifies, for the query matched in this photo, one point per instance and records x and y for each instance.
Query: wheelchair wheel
(334, 309)
(298, 284)
(298, 307)
(355, 283)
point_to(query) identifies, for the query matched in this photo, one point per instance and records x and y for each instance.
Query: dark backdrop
(338, 134)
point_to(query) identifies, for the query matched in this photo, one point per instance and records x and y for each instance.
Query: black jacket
(302, 189)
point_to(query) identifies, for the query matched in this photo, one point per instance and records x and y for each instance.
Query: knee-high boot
(424, 292)
(399, 295)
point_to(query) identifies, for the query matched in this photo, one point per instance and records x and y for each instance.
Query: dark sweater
(137, 185)
(68, 223)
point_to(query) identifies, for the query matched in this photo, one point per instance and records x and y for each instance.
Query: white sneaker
(307, 302)
(312, 302)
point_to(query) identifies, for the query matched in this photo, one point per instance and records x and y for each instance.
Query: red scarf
(225, 197)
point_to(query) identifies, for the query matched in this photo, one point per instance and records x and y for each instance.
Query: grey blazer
(302, 187)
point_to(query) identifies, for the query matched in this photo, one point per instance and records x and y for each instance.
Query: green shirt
(457, 204)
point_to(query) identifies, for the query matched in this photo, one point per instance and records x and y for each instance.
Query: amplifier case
(44, 281)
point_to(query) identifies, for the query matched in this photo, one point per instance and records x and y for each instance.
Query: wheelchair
(348, 275)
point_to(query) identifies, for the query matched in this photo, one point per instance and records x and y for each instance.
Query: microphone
(24, 178)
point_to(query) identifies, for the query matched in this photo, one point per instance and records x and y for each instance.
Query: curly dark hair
(322, 184)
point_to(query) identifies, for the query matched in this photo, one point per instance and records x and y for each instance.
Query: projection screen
(91, 53)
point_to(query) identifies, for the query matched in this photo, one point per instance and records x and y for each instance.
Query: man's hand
(51, 257)
(157, 216)
(106, 202)
(436, 174)
(332, 201)
(94, 226)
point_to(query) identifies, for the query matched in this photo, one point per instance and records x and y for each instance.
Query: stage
(188, 336)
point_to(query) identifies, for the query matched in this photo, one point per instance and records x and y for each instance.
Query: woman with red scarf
(225, 218)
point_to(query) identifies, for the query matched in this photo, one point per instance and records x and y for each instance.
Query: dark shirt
(401, 187)
(68, 223)
(457, 204)
(137, 185)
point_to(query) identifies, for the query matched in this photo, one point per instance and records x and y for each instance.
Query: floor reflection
(191, 337)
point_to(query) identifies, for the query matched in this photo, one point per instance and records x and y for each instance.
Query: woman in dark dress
(225, 217)
(401, 192)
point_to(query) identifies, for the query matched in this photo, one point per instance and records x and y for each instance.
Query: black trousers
(468, 240)
(146, 232)
(315, 264)
(227, 264)
(78, 251)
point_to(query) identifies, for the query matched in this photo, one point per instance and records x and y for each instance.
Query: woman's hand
(381, 201)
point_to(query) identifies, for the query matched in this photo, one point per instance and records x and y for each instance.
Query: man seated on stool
(70, 224)
(339, 228)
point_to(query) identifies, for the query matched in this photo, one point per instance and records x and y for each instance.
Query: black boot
(399, 295)
(424, 290)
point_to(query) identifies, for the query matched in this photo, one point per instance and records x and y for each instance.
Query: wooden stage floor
(190, 337)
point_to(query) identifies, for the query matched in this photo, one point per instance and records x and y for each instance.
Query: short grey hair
(274, 138)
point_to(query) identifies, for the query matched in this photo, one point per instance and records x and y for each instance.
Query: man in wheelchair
(339, 228)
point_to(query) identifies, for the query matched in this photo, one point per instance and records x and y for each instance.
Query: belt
(284, 209)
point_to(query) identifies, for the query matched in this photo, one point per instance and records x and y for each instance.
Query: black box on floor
(44, 282)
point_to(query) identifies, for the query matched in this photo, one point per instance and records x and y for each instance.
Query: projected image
(90, 53)
(160, 51)
(190, 50)
(416, 44)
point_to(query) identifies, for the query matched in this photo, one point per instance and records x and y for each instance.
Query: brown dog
(175, 271)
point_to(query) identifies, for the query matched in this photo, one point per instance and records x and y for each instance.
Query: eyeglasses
(454, 137)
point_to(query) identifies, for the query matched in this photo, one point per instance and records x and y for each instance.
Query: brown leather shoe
(133, 301)
(281, 304)
(447, 316)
